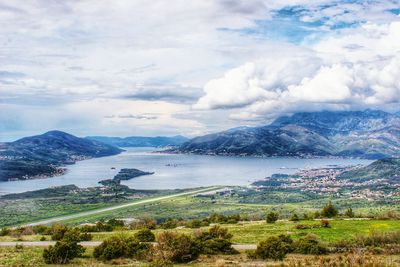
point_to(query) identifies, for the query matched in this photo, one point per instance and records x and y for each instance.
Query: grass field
(32, 257)
(253, 232)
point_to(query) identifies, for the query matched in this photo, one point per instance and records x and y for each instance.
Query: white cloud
(356, 70)
(56, 54)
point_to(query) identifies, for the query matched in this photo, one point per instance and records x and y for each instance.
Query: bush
(325, 223)
(220, 218)
(70, 234)
(58, 231)
(115, 223)
(5, 231)
(137, 250)
(217, 240)
(294, 218)
(272, 217)
(274, 248)
(119, 247)
(349, 213)
(62, 252)
(329, 210)
(145, 235)
(41, 229)
(111, 248)
(174, 247)
(194, 224)
(378, 239)
(144, 223)
(310, 245)
(170, 224)
(103, 227)
(43, 238)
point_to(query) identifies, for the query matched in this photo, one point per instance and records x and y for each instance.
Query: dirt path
(92, 244)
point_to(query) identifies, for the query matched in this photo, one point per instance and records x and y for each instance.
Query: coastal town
(328, 182)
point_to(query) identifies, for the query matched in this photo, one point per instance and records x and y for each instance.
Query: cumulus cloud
(333, 75)
(65, 55)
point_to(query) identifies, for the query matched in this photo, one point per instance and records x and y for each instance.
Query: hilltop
(388, 169)
(43, 155)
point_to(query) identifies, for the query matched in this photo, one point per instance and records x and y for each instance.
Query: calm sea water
(174, 171)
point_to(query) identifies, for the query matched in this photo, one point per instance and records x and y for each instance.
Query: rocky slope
(368, 134)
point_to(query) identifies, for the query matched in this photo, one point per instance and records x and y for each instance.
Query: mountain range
(141, 141)
(388, 168)
(367, 134)
(44, 155)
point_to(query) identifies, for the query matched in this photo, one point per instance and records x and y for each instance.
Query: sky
(149, 68)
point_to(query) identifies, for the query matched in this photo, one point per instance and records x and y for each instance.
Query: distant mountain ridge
(388, 168)
(141, 141)
(366, 134)
(43, 155)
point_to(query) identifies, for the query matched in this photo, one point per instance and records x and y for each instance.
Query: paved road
(93, 244)
(121, 206)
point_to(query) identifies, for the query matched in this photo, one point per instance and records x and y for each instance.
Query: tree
(329, 210)
(272, 217)
(349, 213)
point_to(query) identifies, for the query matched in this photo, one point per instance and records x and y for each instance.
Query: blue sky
(168, 67)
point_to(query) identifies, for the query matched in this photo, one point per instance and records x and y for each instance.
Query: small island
(123, 175)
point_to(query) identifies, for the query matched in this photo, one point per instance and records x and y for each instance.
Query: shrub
(174, 247)
(103, 227)
(378, 239)
(325, 223)
(309, 245)
(294, 218)
(329, 210)
(144, 223)
(43, 238)
(58, 231)
(194, 224)
(5, 231)
(169, 224)
(272, 217)
(62, 252)
(110, 248)
(217, 240)
(27, 230)
(118, 247)
(349, 213)
(145, 235)
(115, 223)
(70, 234)
(317, 215)
(274, 248)
(41, 229)
(137, 250)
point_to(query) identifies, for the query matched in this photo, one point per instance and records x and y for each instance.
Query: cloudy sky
(133, 67)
